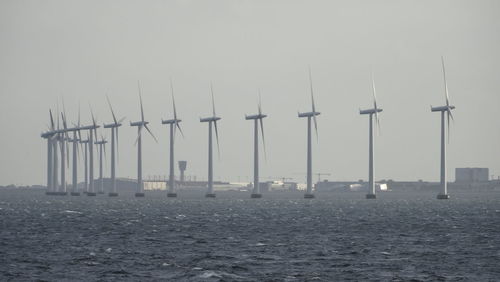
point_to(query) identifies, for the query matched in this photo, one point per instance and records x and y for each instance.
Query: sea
(338, 236)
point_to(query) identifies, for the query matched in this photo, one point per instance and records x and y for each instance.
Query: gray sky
(80, 50)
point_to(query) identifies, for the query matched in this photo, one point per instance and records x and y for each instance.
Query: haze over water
(283, 237)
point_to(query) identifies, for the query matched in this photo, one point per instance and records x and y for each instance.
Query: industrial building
(471, 175)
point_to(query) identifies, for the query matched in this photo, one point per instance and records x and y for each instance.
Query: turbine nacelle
(442, 108)
(309, 114)
(258, 116)
(170, 121)
(209, 119)
(139, 123)
(369, 111)
(112, 125)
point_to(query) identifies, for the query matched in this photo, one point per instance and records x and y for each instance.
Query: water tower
(182, 168)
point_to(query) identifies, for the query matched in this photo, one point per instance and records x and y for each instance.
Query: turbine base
(139, 195)
(75, 193)
(113, 194)
(443, 197)
(371, 196)
(100, 192)
(308, 196)
(210, 195)
(256, 196)
(91, 194)
(60, 193)
(50, 193)
(172, 195)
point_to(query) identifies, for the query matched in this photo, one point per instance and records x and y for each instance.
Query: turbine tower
(76, 140)
(374, 111)
(257, 119)
(90, 145)
(102, 149)
(63, 138)
(114, 135)
(443, 195)
(174, 125)
(85, 160)
(309, 115)
(211, 120)
(140, 124)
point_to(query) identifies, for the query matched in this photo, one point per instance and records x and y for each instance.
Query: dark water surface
(281, 237)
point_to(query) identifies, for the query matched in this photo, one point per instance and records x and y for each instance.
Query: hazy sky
(80, 50)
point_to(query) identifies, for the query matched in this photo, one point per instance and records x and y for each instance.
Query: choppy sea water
(281, 237)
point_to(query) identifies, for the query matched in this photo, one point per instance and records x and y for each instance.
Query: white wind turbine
(140, 124)
(443, 195)
(374, 111)
(114, 135)
(76, 140)
(63, 138)
(211, 120)
(50, 135)
(102, 149)
(86, 164)
(309, 115)
(174, 125)
(257, 119)
(90, 145)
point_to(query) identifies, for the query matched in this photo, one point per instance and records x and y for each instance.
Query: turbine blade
(117, 151)
(316, 127)
(374, 93)
(140, 100)
(448, 121)
(173, 99)
(147, 128)
(180, 130)
(377, 119)
(213, 102)
(52, 124)
(138, 135)
(217, 138)
(260, 104)
(92, 114)
(111, 108)
(263, 138)
(445, 84)
(312, 92)
(122, 119)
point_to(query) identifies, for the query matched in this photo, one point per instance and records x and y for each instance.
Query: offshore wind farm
(281, 140)
(60, 137)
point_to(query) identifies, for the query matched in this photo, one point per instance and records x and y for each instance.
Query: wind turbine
(63, 138)
(174, 125)
(76, 140)
(374, 111)
(140, 124)
(85, 160)
(257, 119)
(443, 195)
(309, 115)
(114, 134)
(211, 120)
(90, 145)
(50, 136)
(55, 167)
(102, 149)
